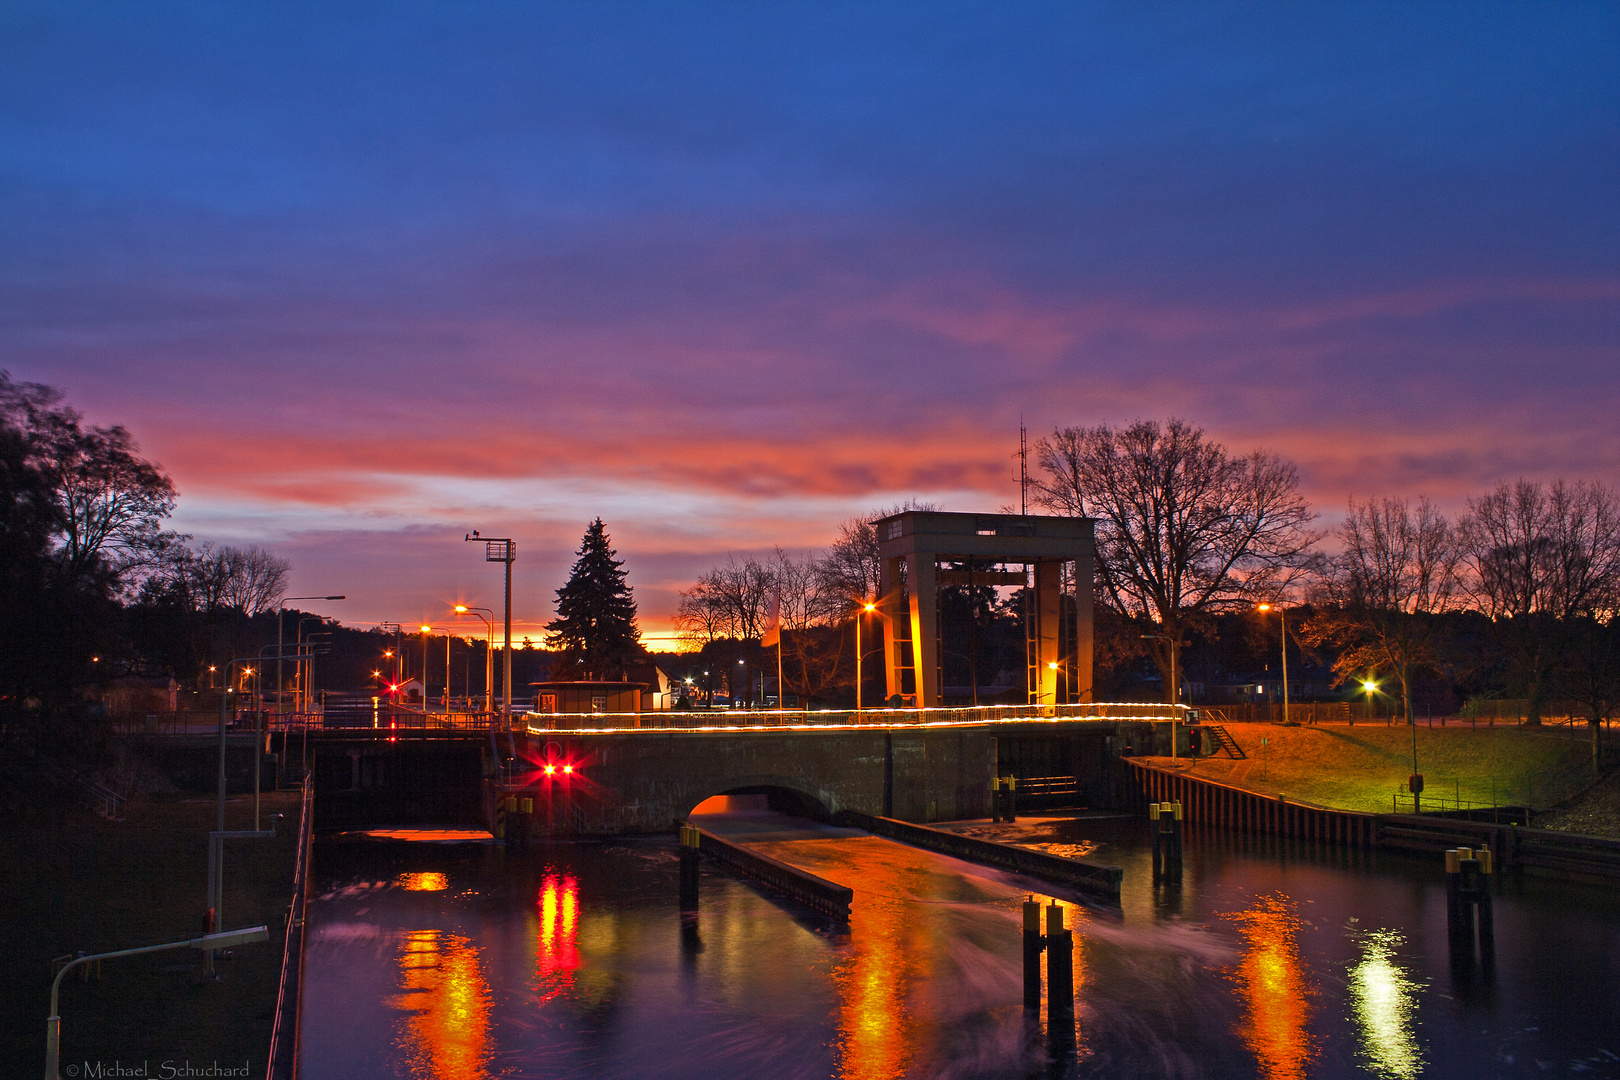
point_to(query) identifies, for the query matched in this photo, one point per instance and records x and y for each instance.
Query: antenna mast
(1023, 467)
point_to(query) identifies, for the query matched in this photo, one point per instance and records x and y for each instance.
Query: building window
(598, 702)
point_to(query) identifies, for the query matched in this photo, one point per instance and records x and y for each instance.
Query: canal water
(434, 959)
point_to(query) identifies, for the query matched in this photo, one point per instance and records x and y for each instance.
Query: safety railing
(732, 719)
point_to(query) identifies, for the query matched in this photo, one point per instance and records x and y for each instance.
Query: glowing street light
(1283, 619)
(867, 607)
(279, 609)
(489, 652)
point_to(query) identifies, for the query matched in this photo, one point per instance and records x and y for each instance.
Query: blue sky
(364, 276)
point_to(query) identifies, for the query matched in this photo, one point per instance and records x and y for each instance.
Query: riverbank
(74, 881)
(1361, 767)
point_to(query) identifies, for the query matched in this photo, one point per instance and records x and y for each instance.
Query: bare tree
(1540, 557)
(851, 569)
(111, 502)
(1397, 568)
(1184, 529)
(254, 579)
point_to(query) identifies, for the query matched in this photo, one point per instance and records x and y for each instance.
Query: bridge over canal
(602, 775)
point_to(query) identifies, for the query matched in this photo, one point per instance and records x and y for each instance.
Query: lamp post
(489, 652)
(279, 608)
(503, 550)
(1175, 681)
(867, 607)
(228, 939)
(1175, 687)
(1282, 617)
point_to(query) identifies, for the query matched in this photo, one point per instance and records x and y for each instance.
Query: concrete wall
(642, 781)
(637, 781)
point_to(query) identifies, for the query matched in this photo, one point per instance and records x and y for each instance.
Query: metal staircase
(1224, 739)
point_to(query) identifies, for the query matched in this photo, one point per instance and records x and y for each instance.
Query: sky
(363, 277)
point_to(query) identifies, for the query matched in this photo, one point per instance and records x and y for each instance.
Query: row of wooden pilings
(1208, 802)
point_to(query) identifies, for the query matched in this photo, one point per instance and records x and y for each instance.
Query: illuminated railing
(740, 719)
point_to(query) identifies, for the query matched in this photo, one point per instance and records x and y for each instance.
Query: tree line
(1520, 590)
(93, 586)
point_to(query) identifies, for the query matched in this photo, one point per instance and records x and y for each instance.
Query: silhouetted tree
(1542, 558)
(1396, 570)
(595, 633)
(1184, 530)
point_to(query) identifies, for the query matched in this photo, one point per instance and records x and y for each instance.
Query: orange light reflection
(874, 1029)
(448, 1034)
(1276, 989)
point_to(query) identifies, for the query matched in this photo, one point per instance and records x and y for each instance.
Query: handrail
(283, 1058)
(730, 719)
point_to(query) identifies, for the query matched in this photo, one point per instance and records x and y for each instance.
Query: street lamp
(489, 652)
(866, 607)
(279, 608)
(427, 632)
(228, 939)
(502, 550)
(1175, 681)
(1282, 617)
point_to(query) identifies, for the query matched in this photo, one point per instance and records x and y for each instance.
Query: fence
(764, 718)
(1208, 802)
(283, 1056)
(1211, 803)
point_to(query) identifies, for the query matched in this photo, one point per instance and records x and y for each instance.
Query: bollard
(1166, 818)
(691, 851)
(1011, 790)
(1059, 979)
(1468, 906)
(995, 799)
(1033, 944)
(1482, 903)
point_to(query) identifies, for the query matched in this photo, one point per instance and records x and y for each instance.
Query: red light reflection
(556, 946)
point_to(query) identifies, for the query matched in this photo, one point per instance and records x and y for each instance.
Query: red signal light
(550, 769)
(568, 768)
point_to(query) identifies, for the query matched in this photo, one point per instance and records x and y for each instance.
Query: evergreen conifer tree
(595, 631)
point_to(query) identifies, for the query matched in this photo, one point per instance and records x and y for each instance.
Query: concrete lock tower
(1058, 642)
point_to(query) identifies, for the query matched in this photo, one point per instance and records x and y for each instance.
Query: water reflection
(873, 1025)
(423, 881)
(447, 1034)
(557, 937)
(1275, 987)
(1383, 1000)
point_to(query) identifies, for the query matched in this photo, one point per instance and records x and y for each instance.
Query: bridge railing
(387, 719)
(727, 719)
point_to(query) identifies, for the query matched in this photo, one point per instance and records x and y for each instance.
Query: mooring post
(1154, 810)
(1059, 979)
(1482, 901)
(1166, 818)
(691, 850)
(1033, 944)
(1459, 908)
(1175, 841)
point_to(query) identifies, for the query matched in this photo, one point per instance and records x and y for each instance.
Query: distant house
(588, 696)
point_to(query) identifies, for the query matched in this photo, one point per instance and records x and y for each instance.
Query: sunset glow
(361, 300)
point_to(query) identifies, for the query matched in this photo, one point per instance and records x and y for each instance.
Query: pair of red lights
(551, 770)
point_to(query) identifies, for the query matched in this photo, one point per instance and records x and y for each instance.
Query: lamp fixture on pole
(502, 550)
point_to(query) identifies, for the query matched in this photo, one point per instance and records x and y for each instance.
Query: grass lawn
(74, 881)
(1360, 767)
